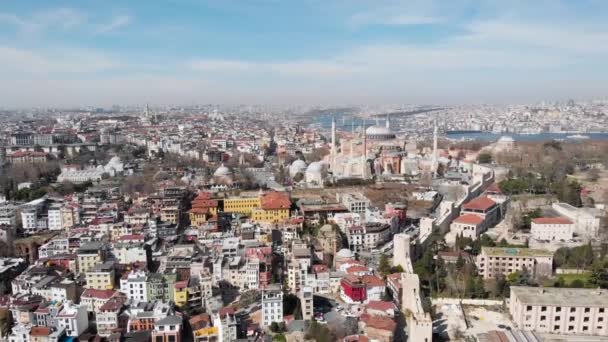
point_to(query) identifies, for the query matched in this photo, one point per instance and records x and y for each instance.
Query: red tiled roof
(203, 195)
(469, 219)
(356, 269)
(479, 203)
(198, 210)
(552, 220)
(226, 311)
(204, 203)
(381, 305)
(40, 331)
(114, 304)
(181, 284)
(275, 200)
(378, 322)
(394, 279)
(494, 188)
(372, 280)
(131, 237)
(103, 294)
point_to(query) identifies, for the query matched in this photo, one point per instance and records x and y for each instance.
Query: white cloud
(59, 18)
(14, 61)
(574, 38)
(391, 19)
(288, 68)
(116, 23)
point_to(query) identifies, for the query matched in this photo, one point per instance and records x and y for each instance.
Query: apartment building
(494, 260)
(552, 228)
(564, 311)
(272, 304)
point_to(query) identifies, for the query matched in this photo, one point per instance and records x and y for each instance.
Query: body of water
(488, 136)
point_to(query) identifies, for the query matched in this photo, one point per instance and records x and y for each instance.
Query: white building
(354, 202)
(8, 214)
(495, 260)
(564, 311)
(73, 318)
(55, 217)
(272, 304)
(552, 228)
(252, 274)
(306, 302)
(135, 286)
(587, 220)
(468, 226)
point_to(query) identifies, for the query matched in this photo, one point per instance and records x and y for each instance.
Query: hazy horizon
(66, 54)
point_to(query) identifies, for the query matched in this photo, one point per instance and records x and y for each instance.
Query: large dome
(222, 171)
(379, 133)
(345, 253)
(296, 167)
(316, 167)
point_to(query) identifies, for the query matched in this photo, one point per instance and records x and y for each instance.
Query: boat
(578, 136)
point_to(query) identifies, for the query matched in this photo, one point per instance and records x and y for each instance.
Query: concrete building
(552, 228)
(483, 207)
(73, 318)
(135, 286)
(306, 302)
(587, 220)
(100, 276)
(468, 225)
(564, 311)
(354, 202)
(272, 304)
(168, 329)
(494, 260)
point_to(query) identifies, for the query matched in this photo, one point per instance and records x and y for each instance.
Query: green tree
(599, 275)
(384, 266)
(484, 158)
(577, 283)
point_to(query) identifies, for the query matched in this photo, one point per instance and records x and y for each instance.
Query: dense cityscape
(303, 171)
(212, 224)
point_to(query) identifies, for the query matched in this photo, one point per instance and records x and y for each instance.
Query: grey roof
(170, 320)
(554, 296)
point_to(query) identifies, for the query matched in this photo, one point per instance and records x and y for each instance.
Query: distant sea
(346, 121)
(488, 136)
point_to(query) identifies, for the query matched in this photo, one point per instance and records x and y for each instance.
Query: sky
(104, 52)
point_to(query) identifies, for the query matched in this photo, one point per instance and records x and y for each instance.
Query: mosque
(376, 151)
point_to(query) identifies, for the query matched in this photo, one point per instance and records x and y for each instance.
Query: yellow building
(202, 210)
(100, 277)
(272, 207)
(180, 293)
(206, 334)
(241, 205)
(89, 255)
(170, 214)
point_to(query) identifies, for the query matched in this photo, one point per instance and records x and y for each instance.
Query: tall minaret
(333, 143)
(388, 120)
(434, 163)
(364, 154)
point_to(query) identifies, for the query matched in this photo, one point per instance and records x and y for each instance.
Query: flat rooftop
(554, 296)
(515, 252)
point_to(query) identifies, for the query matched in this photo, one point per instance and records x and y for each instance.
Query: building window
(558, 309)
(572, 309)
(543, 308)
(529, 308)
(587, 310)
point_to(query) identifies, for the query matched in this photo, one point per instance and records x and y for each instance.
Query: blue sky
(301, 52)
